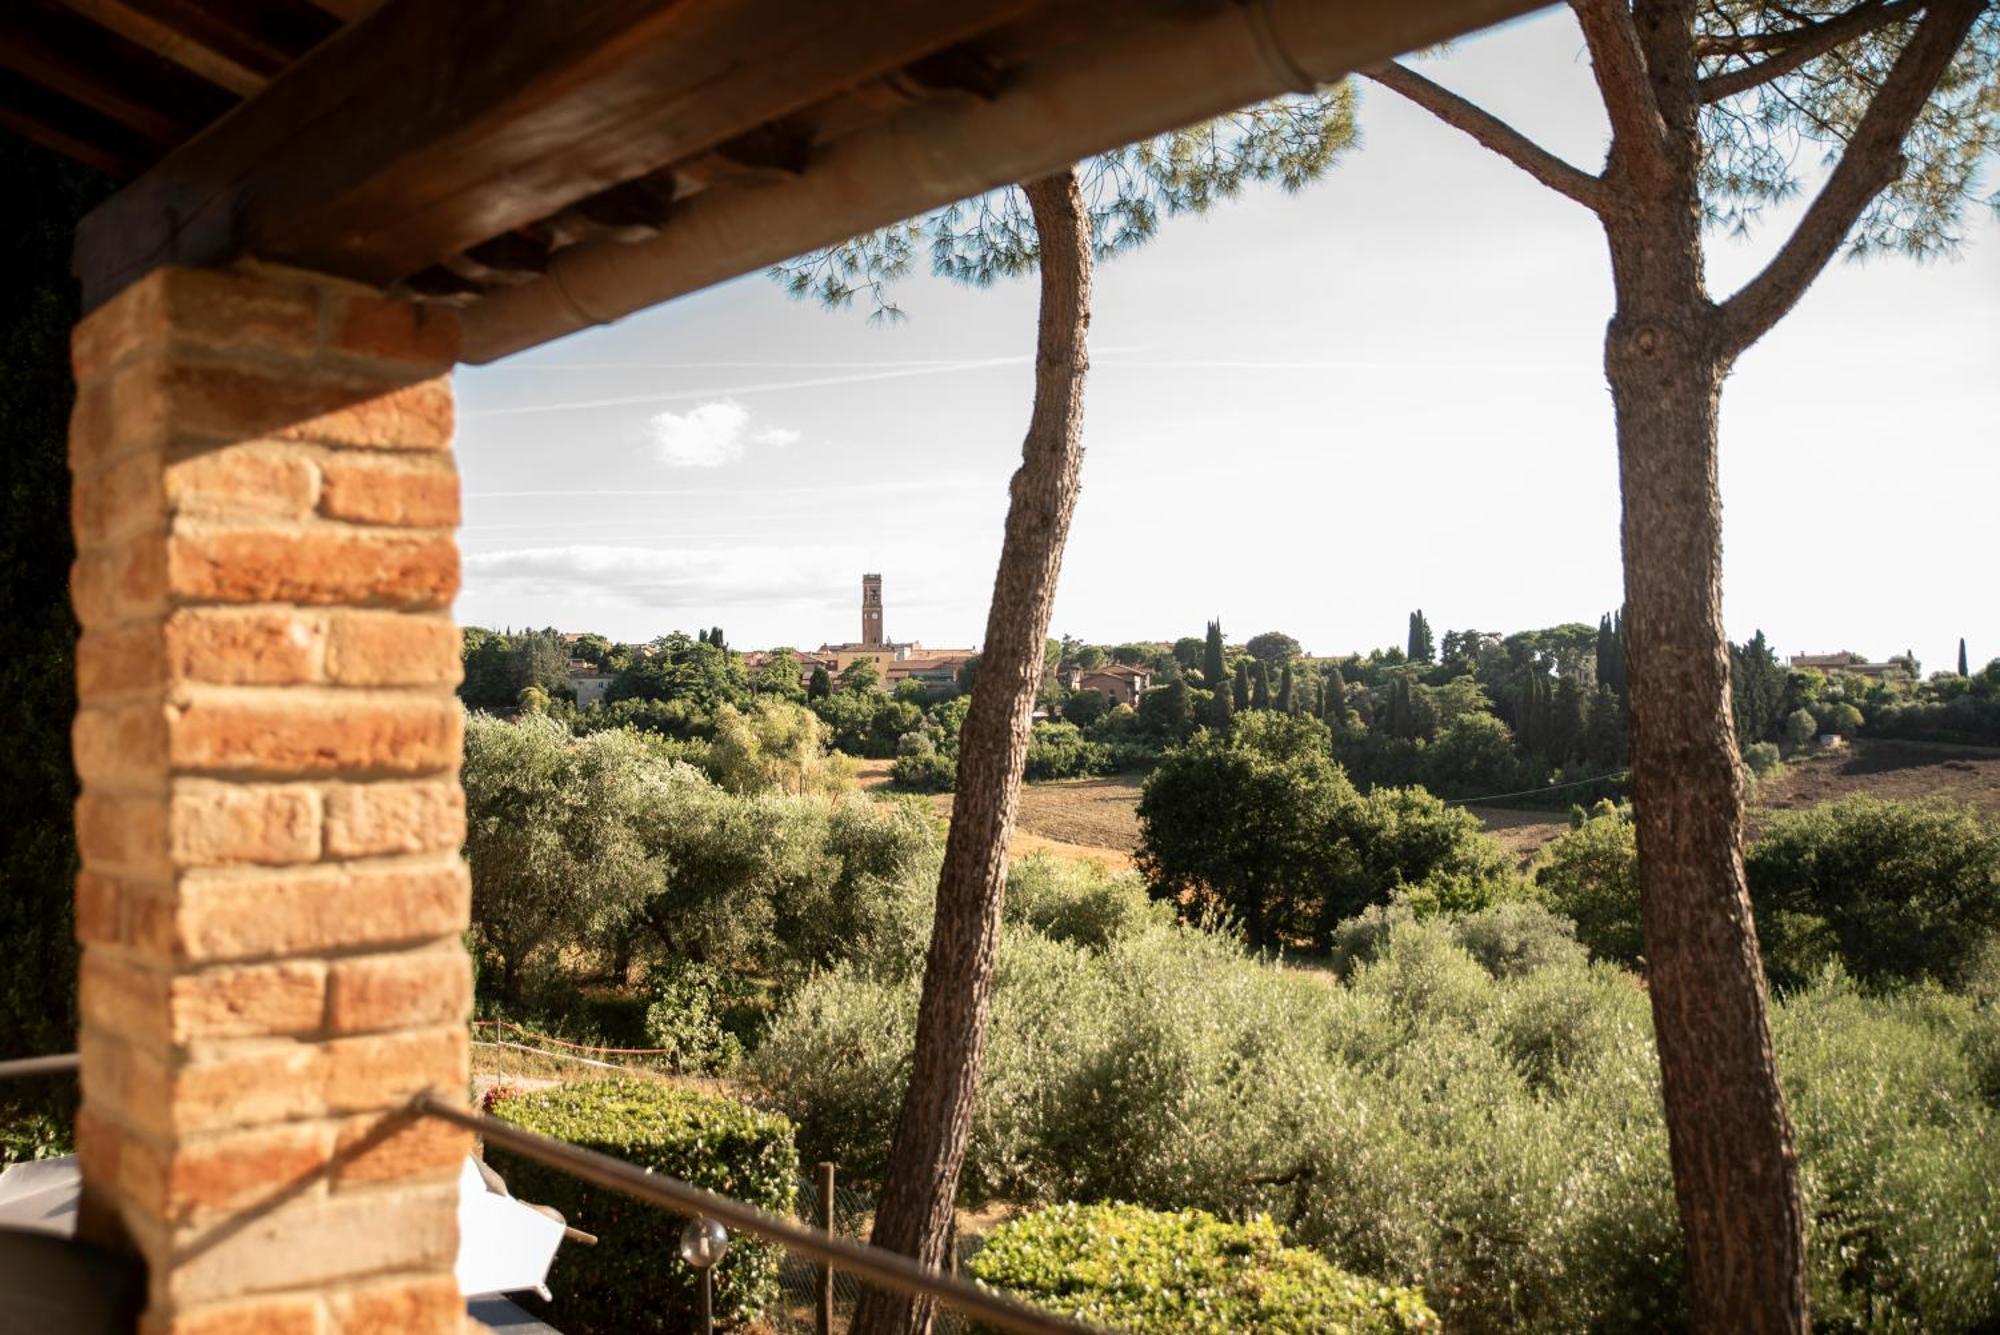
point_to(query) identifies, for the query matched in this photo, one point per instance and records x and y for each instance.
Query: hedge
(633, 1279)
(1143, 1271)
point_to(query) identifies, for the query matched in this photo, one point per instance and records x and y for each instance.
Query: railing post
(824, 1323)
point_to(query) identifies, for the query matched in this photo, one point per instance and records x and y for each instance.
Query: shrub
(684, 1017)
(926, 771)
(1491, 1133)
(630, 1280)
(1079, 902)
(1896, 891)
(1136, 1270)
(1060, 751)
(1591, 876)
(1762, 758)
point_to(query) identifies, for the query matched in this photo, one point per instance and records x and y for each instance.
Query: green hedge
(1142, 1271)
(634, 1279)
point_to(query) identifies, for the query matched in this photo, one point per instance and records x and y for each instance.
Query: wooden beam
(64, 127)
(134, 25)
(124, 82)
(1123, 70)
(400, 141)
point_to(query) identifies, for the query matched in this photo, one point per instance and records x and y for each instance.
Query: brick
(120, 582)
(393, 649)
(128, 832)
(254, 1001)
(313, 565)
(115, 502)
(406, 417)
(296, 1314)
(427, 1306)
(122, 746)
(218, 824)
(242, 481)
(400, 991)
(203, 308)
(314, 1241)
(394, 331)
(241, 1168)
(99, 1143)
(118, 659)
(292, 732)
(100, 909)
(385, 1070)
(398, 1147)
(248, 1083)
(118, 995)
(245, 647)
(405, 491)
(367, 820)
(244, 915)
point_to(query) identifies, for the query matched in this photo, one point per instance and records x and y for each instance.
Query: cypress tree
(1242, 685)
(1333, 699)
(1213, 670)
(1964, 666)
(1222, 708)
(819, 686)
(1260, 685)
(1288, 691)
(1422, 648)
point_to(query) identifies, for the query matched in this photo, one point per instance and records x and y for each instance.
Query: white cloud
(663, 578)
(710, 435)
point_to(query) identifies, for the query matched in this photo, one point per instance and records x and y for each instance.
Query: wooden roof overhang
(546, 165)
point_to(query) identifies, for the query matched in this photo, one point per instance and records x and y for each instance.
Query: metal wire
(63, 1063)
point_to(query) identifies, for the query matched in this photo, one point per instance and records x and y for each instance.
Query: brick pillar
(272, 895)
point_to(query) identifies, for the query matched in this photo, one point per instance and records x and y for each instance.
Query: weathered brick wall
(272, 894)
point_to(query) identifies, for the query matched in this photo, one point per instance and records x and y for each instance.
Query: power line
(1531, 792)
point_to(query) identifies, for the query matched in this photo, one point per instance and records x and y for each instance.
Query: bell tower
(871, 611)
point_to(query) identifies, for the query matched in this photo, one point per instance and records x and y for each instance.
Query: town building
(895, 660)
(1121, 683)
(1895, 669)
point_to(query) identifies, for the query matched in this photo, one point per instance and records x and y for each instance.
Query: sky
(1310, 413)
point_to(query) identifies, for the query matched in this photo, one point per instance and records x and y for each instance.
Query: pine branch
(1873, 161)
(1638, 134)
(1797, 46)
(1491, 131)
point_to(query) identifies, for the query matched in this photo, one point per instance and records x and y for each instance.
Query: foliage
(1271, 647)
(1291, 140)
(38, 305)
(776, 746)
(1895, 891)
(1891, 892)
(501, 666)
(1133, 1269)
(1484, 1126)
(1591, 876)
(698, 674)
(931, 771)
(552, 836)
(1263, 827)
(683, 1017)
(1060, 751)
(629, 1282)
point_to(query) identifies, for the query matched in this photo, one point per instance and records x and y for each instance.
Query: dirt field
(1098, 818)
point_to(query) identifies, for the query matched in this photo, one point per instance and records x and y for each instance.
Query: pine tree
(1242, 685)
(1260, 685)
(1288, 691)
(1213, 668)
(1964, 665)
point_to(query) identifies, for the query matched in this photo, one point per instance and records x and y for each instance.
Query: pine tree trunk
(1728, 1137)
(1735, 1170)
(914, 1215)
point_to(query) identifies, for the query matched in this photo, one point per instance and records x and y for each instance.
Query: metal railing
(872, 1265)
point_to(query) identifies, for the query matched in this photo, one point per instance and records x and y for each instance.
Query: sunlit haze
(1308, 413)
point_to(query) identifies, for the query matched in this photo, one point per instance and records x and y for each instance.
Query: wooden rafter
(398, 143)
